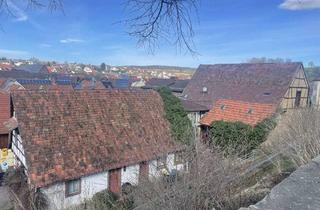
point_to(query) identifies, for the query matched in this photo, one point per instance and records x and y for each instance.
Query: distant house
(122, 82)
(315, 92)
(11, 85)
(43, 84)
(4, 117)
(138, 84)
(175, 85)
(33, 68)
(77, 143)
(91, 84)
(5, 66)
(195, 112)
(237, 89)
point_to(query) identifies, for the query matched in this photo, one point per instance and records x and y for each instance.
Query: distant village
(77, 130)
(101, 71)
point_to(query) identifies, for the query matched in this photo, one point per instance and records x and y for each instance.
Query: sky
(226, 31)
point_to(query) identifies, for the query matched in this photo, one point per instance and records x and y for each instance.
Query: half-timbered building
(227, 89)
(74, 144)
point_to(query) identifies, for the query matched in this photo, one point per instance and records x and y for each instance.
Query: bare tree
(8, 7)
(152, 21)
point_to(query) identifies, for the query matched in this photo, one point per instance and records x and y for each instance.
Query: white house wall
(18, 150)
(90, 185)
(154, 172)
(130, 174)
(171, 164)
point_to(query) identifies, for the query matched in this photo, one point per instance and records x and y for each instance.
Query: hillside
(160, 68)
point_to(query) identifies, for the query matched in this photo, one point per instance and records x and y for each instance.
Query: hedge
(180, 124)
(239, 138)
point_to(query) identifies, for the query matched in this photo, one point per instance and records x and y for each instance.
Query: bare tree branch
(152, 21)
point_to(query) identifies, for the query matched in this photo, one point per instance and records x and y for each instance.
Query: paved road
(4, 199)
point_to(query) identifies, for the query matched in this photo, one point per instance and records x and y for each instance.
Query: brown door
(143, 171)
(114, 180)
(4, 141)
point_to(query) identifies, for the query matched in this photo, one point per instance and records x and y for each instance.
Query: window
(178, 159)
(73, 187)
(250, 111)
(298, 98)
(222, 107)
(161, 162)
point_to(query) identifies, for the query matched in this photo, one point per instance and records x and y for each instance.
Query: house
(233, 110)
(91, 84)
(77, 143)
(5, 66)
(282, 85)
(138, 84)
(194, 112)
(175, 85)
(315, 92)
(11, 85)
(4, 117)
(43, 84)
(33, 68)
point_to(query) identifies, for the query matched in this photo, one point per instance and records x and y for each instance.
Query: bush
(23, 195)
(105, 200)
(109, 200)
(237, 137)
(180, 124)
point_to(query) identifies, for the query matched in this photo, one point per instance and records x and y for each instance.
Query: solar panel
(34, 81)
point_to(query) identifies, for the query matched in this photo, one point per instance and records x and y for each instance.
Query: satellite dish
(204, 89)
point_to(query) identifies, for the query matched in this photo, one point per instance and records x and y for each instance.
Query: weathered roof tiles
(70, 134)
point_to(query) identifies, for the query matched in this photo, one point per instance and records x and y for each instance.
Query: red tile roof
(88, 85)
(4, 111)
(70, 134)
(6, 67)
(232, 110)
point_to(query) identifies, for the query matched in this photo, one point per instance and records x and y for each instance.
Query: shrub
(23, 195)
(105, 200)
(180, 124)
(237, 137)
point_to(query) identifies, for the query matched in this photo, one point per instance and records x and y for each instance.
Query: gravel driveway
(4, 199)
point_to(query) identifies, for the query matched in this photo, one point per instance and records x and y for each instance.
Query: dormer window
(222, 107)
(204, 89)
(250, 111)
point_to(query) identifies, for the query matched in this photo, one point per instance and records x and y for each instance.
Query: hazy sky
(228, 31)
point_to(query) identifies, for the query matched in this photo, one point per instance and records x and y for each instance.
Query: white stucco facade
(18, 150)
(89, 186)
(130, 174)
(155, 172)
